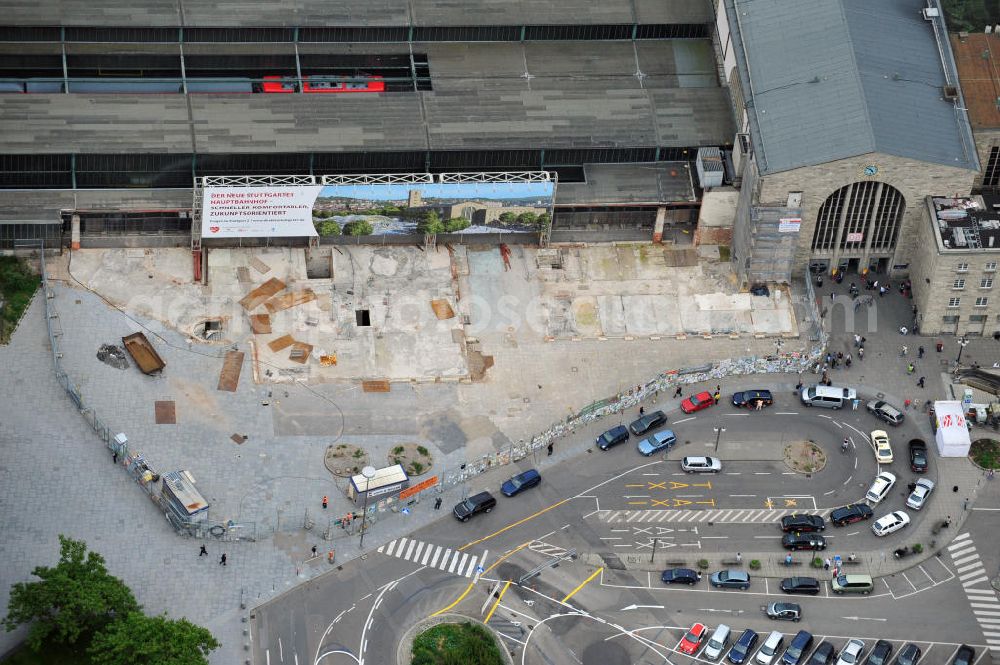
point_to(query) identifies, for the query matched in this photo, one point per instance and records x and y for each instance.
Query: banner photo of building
(435, 207)
(259, 212)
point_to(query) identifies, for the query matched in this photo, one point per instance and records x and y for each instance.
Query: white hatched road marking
(720, 515)
(982, 602)
(548, 550)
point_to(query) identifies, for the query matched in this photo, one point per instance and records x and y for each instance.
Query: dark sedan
(612, 437)
(803, 523)
(808, 586)
(822, 655)
(880, 653)
(856, 512)
(520, 482)
(748, 399)
(918, 456)
(803, 541)
(964, 656)
(647, 422)
(680, 576)
(909, 654)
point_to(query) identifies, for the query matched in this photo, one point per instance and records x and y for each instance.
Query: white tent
(952, 434)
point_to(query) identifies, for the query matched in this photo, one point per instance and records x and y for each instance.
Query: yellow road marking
(457, 600)
(658, 486)
(511, 526)
(637, 503)
(707, 485)
(791, 503)
(507, 555)
(497, 604)
(769, 504)
(634, 485)
(674, 485)
(583, 584)
(710, 502)
(681, 502)
(665, 503)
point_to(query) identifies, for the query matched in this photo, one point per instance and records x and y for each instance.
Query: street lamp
(718, 435)
(962, 343)
(368, 472)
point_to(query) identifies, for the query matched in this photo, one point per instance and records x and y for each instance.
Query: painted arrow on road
(863, 618)
(635, 607)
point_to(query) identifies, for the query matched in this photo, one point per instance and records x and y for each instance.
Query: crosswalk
(982, 598)
(434, 556)
(724, 516)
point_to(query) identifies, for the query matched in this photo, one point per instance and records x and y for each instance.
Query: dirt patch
(478, 364)
(804, 457)
(986, 453)
(416, 459)
(345, 460)
(375, 386)
(165, 413)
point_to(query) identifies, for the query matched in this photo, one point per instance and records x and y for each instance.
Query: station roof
(978, 56)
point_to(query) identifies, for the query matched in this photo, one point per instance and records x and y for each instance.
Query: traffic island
(416, 459)
(804, 457)
(345, 460)
(450, 638)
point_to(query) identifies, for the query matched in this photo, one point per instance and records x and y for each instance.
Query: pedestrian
(920, 351)
(991, 473)
(903, 350)
(314, 551)
(910, 369)
(903, 331)
(826, 564)
(875, 284)
(861, 353)
(717, 396)
(840, 355)
(677, 393)
(833, 296)
(798, 386)
(760, 404)
(203, 552)
(326, 501)
(954, 489)
(965, 506)
(912, 486)
(788, 559)
(850, 357)
(549, 448)
(222, 559)
(947, 521)
(114, 457)
(854, 404)
(642, 410)
(437, 503)
(739, 558)
(906, 407)
(920, 382)
(857, 340)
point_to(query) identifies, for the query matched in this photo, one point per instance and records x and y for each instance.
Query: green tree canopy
(74, 599)
(328, 228)
(544, 221)
(507, 218)
(430, 223)
(456, 224)
(137, 639)
(358, 227)
(527, 219)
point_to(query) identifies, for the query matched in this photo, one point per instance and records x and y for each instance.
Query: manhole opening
(363, 317)
(209, 329)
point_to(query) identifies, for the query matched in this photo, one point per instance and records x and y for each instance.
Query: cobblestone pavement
(59, 478)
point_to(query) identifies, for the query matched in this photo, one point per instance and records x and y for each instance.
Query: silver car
(851, 653)
(918, 497)
(701, 465)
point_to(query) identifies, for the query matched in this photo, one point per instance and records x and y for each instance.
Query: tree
(137, 639)
(328, 228)
(456, 224)
(544, 221)
(74, 599)
(430, 223)
(527, 219)
(358, 227)
(507, 218)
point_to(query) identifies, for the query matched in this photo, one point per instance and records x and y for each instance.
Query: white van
(830, 397)
(717, 643)
(770, 648)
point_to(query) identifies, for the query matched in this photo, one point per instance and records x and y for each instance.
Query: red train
(271, 84)
(322, 84)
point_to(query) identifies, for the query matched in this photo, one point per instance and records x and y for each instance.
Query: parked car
(808, 586)
(851, 653)
(612, 437)
(918, 497)
(680, 576)
(883, 451)
(918, 456)
(964, 656)
(908, 655)
(662, 440)
(743, 647)
(475, 504)
(803, 541)
(856, 512)
(861, 583)
(880, 653)
(701, 464)
(520, 482)
(784, 611)
(692, 639)
(717, 642)
(697, 402)
(880, 488)
(730, 579)
(769, 649)
(797, 648)
(802, 522)
(885, 412)
(748, 399)
(890, 523)
(647, 422)
(822, 655)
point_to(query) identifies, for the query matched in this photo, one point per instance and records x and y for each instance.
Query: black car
(803, 541)
(680, 576)
(918, 456)
(964, 656)
(648, 422)
(743, 647)
(803, 523)
(822, 655)
(885, 412)
(803, 585)
(748, 399)
(612, 437)
(784, 611)
(856, 512)
(880, 653)
(475, 504)
(909, 654)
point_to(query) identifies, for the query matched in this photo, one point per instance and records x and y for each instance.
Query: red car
(697, 402)
(692, 639)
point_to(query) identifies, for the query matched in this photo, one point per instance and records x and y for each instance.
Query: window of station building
(958, 285)
(863, 212)
(962, 267)
(982, 301)
(951, 318)
(977, 318)
(986, 283)
(991, 174)
(954, 302)
(990, 267)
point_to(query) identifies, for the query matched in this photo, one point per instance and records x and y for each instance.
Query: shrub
(398, 450)
(430, 224)
(358, 227)
(423, 451)
(328, 228)
(754, 564)
(358, 454)
(817, 562)
(918, 548)
(416, 468)
(456, 643)
(456, 224)
(703, 564)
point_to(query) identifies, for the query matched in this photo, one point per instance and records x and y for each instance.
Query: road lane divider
(511, 526)
(497, 604)
(583, 584)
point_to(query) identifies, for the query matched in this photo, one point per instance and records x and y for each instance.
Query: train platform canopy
(258, 212)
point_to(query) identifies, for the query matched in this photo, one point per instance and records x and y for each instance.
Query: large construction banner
(259, 212)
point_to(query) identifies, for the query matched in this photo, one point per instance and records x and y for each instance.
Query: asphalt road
(620, 502)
